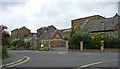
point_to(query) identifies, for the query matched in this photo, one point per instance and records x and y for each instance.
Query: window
(78, 26)
(81, 26)
(75, 27)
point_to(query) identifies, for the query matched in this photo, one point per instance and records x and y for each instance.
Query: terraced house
(50, 35)
(78, 24)
(104, 26)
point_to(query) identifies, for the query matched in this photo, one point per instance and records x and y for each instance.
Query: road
(61, 58)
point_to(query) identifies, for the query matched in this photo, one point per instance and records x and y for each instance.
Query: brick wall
(79, 23)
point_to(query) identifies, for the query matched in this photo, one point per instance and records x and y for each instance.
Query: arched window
(75, 27)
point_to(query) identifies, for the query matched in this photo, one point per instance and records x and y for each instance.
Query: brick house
(25, 34)
(78, 24)
(20, 33)
(42, 29)
(104, 26)
(52, 36)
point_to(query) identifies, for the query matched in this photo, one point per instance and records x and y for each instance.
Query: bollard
(67, 46)
(102, 47)
(81, 46)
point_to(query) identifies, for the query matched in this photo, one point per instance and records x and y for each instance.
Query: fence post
(102, 47)
(67, 45)
(81, 46)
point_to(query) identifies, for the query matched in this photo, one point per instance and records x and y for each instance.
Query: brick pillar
(67, 46)
(81, 46)
(49, 45)
(102, 47)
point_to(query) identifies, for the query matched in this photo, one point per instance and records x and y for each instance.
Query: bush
(96, 41)
(4, 52)
(27, 46)
(17, 42)
(77, 38)
(87, 44)
(45, 48)
(66, 38)
(112, 41)
(37, 47)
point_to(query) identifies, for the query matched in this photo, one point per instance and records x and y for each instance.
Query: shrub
(96, 41)
(66, 38)
(112, 41)
(27, 46)
(45, 48)
(37, 47)
(4, 52)
(17, 42)
(78, 37)
(87, 44)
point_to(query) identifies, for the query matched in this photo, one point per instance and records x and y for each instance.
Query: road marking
(83, 66)
(28, 58)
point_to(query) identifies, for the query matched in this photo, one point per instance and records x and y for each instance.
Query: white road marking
(90, 64)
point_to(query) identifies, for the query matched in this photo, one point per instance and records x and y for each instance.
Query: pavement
(59, 58)
(13, 59)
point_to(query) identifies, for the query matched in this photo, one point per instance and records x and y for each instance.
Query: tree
(4, 36)
(78, 37)
(72, 32)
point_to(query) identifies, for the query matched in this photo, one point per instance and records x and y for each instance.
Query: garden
(93, 42)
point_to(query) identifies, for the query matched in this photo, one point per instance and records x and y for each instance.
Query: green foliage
(112, 41)
(77, 38)
(4, 52)
(71, 33)
(37, 47)
(96, 41)
(45, 48)
(66, 38)
(27, 46)
(17, 42)
(8, 42)
(87, 44)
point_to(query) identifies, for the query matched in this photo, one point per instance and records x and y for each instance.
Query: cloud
(38, 13)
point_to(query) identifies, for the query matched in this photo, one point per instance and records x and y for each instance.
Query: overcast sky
(38, 13)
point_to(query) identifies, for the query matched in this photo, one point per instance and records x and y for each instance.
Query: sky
(39, 13)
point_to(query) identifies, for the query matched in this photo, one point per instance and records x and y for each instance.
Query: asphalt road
(61, 58)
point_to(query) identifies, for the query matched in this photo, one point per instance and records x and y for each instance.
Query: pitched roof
(25, 28)
(14, 29)
(63, 31)
(47, 34)
(46, 27)
(20, 28)
(103, 24)
(88, 17)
